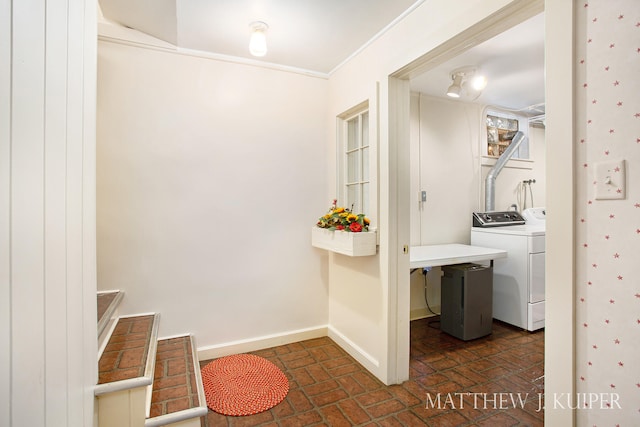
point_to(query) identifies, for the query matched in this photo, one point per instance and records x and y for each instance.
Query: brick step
(108, 303)
(125, 371)
(178, 395)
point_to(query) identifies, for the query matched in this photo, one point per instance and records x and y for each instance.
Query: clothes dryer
(518, 280)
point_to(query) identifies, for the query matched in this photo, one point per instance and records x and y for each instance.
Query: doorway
(559, 339)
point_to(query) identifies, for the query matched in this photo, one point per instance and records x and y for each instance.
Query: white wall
(210, 177)
(48, 337)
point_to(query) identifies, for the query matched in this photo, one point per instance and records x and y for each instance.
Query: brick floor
(174, 385)
(125, 355)
(329, 388)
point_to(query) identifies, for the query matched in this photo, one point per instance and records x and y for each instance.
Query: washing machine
(518, 280)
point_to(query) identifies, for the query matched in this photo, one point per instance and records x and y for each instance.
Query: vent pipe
(490, 180)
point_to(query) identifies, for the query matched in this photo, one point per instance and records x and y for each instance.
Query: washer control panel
(535, 215)
(497, 219)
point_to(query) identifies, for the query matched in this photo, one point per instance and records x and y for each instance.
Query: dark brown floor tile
(449, 419)
(320, 388)
(288, 357)
(496, 372)
(335, 417)
(404, 395)
(302, 377)
(351, 386)
(444, 363)
(344, 369)
(409, 418)
(318, 373)
(354, 412)
(299, 401)
(304, 419)
(390, 422)
(374, 397)
(433, 380)
(368, 381)
(299, 363)
(329, 397)
(500, 419)
(262, 419)
(385, 408)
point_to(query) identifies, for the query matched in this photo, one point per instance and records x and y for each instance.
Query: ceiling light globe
(258, 40)
(258, 44)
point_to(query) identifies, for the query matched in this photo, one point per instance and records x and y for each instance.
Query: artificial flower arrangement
(339, 218)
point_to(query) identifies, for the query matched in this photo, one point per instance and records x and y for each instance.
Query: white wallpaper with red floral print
(608, 231)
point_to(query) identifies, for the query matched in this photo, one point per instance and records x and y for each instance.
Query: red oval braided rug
(243, 384)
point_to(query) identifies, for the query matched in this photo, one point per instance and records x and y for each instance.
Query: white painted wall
(48, 337)
(210, 177)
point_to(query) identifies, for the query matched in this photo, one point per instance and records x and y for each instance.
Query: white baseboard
(421, 313)
(260, 343)
(365, 359)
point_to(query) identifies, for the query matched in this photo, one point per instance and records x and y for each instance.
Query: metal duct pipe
(490, 180)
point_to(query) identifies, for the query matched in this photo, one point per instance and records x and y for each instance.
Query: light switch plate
(610, 180)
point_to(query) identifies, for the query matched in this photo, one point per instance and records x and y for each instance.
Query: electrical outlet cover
(610, 180)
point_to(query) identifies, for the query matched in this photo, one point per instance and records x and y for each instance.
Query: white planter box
(344, 242)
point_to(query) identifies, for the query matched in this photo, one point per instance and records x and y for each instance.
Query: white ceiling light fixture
(258, 40)
(456, 87)
(466, 80)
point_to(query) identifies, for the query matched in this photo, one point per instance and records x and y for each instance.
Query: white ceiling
(318, 36)
(513, 63)
(315, 35)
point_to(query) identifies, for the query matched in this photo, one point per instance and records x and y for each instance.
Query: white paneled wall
(47, 213)
(5, 181)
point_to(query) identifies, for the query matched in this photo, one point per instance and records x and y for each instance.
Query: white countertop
(448, 254)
